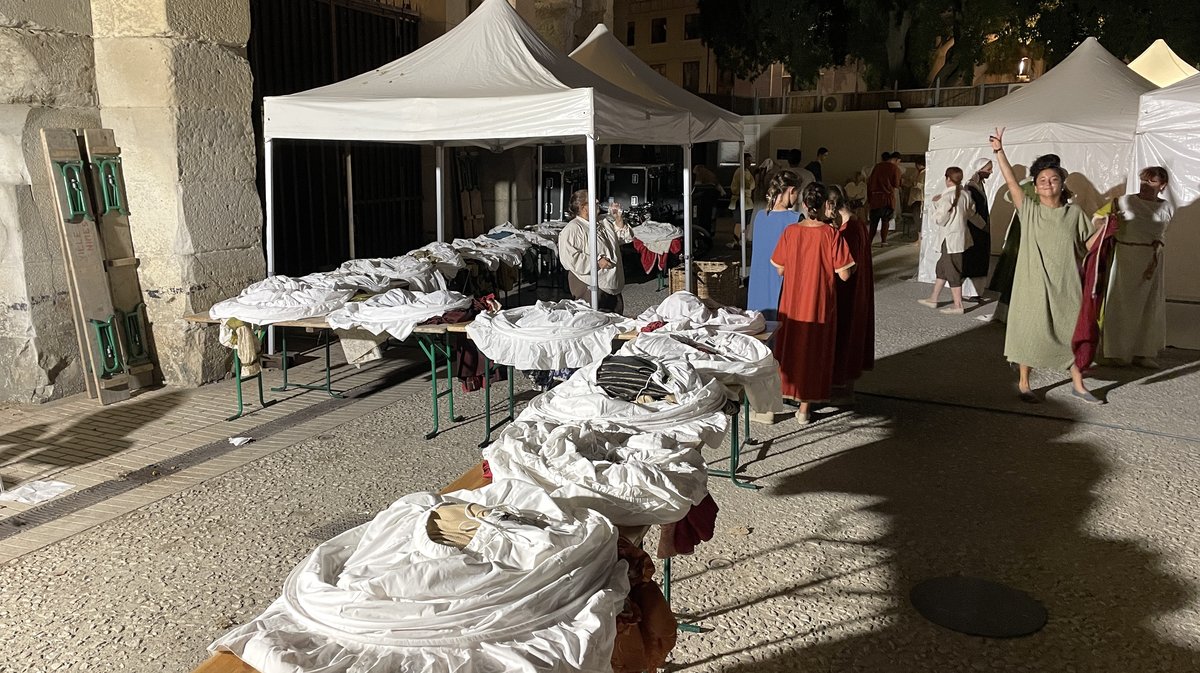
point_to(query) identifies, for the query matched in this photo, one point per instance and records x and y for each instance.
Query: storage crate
(718, 282)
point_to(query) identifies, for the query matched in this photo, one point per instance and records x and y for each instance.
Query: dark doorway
(301, 44)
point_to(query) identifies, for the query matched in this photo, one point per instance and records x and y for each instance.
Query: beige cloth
(454, 525)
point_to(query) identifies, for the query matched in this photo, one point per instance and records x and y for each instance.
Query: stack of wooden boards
(106, 297)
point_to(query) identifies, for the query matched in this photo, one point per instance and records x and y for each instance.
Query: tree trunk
(896, 45)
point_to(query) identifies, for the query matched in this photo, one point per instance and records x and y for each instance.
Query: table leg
(735, 456)
(327, 386)
(487, 402)
(682, 626)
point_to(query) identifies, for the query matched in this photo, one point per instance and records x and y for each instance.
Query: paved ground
(938, 471)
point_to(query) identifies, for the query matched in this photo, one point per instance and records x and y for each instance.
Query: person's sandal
(927, 302)
(1086, 396)
(953, 310)
(1027, 396)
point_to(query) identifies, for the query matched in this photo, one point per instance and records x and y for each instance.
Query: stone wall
(48, 81)
(175, 87)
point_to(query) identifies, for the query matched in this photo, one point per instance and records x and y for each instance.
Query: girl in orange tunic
(809, 256)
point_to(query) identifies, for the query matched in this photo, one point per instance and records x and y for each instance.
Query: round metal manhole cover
(978, 607)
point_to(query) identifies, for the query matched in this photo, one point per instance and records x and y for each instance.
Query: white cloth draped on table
(657, 236)
(373, 283)
(732, 358)
(537, 588)
(696, 415)
(492, 252)
(420, 275)
(532, 235)
(444, 257)
(547, 335)
(632, 478)
(684, 310)
(397, 312)
(280, 298)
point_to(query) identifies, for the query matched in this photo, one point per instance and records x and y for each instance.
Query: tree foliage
(897, 39)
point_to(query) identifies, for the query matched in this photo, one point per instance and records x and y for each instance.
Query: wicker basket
(715, 281)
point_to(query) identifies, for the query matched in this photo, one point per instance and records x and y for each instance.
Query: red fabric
(487, 470)
(651, 326)
(646, 628)
(697, 526)
(1085, 342)
(882, 185)
(854, 351)
(804, 344)
(651, 259)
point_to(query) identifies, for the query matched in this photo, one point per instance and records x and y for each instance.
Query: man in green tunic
(1047, 290)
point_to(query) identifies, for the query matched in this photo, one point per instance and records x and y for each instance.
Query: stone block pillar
(175, 86)
(48, 81)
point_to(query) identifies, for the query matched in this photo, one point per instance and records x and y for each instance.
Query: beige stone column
(47, 80)
(175, 87)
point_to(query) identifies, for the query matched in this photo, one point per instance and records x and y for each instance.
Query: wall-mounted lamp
(895, 106)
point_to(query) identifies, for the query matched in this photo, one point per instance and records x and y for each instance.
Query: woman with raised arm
(1047, 291)
(810, 256)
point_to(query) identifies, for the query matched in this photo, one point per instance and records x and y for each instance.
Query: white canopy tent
(603, 54)
(1168, 135)
(1161, 65)
(489, 82)
(1084, 110)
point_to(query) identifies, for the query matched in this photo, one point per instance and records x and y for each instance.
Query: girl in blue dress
(769, 223)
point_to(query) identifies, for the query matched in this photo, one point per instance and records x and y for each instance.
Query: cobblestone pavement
(939, 470)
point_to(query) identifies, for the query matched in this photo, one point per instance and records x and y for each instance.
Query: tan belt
(1149, 272)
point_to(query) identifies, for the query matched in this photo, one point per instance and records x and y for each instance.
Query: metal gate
(300, 44)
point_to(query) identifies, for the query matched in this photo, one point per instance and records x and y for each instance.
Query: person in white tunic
(574, 251)
(1135, 323)
(952, 209)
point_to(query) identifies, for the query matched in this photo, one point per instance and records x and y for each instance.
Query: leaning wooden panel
(83, 256)
(107, 183)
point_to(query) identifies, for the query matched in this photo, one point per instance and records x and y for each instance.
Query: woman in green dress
(1047, 291)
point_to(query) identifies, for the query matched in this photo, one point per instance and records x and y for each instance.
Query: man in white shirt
(574, 251)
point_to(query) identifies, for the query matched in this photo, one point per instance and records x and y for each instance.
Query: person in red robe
(854, 352)
(809, 255)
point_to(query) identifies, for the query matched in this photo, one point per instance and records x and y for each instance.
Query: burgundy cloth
(1085, 342)
(854, 350)
(651, 326)
(651, 259)
(472, 366)
(697, 526)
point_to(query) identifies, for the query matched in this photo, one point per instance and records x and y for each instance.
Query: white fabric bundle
(684, 310)
(532, 236)
(491, 252)
(415, 274)
(547, 335)
(739, 360)
(657, 236)
(632, 478)
(280, 298)
(343, 280)
(444, 257)
(397, 312)
(694, 418)
(537, 589)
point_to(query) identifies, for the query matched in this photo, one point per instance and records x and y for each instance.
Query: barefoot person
(1047, 291)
